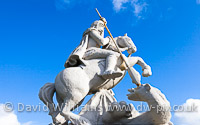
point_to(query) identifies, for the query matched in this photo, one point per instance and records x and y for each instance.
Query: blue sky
(37, 37)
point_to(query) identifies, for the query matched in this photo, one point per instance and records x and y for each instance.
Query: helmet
(98, 23)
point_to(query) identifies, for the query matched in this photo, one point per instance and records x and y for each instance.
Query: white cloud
(198, 1)
(138, 6)
(189, 117)
(9, 118)
(118, 4)
(28, 123)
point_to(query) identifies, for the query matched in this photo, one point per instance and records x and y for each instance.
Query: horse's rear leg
(57, 117)
(69, 104)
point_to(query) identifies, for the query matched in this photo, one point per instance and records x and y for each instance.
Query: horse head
(125, 41)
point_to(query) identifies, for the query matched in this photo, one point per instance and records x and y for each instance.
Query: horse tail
(46, 96)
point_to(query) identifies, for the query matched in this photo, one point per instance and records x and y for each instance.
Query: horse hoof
(59, 120)
(147, 71)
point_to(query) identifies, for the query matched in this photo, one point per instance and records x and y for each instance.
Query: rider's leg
(111, 60)
(95, 53)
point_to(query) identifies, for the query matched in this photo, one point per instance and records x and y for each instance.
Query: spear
(132, 72)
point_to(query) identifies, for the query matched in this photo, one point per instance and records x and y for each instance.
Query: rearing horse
(73, 84)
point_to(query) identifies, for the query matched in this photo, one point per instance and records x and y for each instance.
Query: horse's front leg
(138, 60)
(135, 75)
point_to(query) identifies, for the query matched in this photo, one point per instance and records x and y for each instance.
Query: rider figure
(90, 48)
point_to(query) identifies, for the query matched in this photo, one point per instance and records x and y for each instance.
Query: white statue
(95, 66)
(74, 83)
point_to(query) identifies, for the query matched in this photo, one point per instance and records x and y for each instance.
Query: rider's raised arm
(98, 38)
